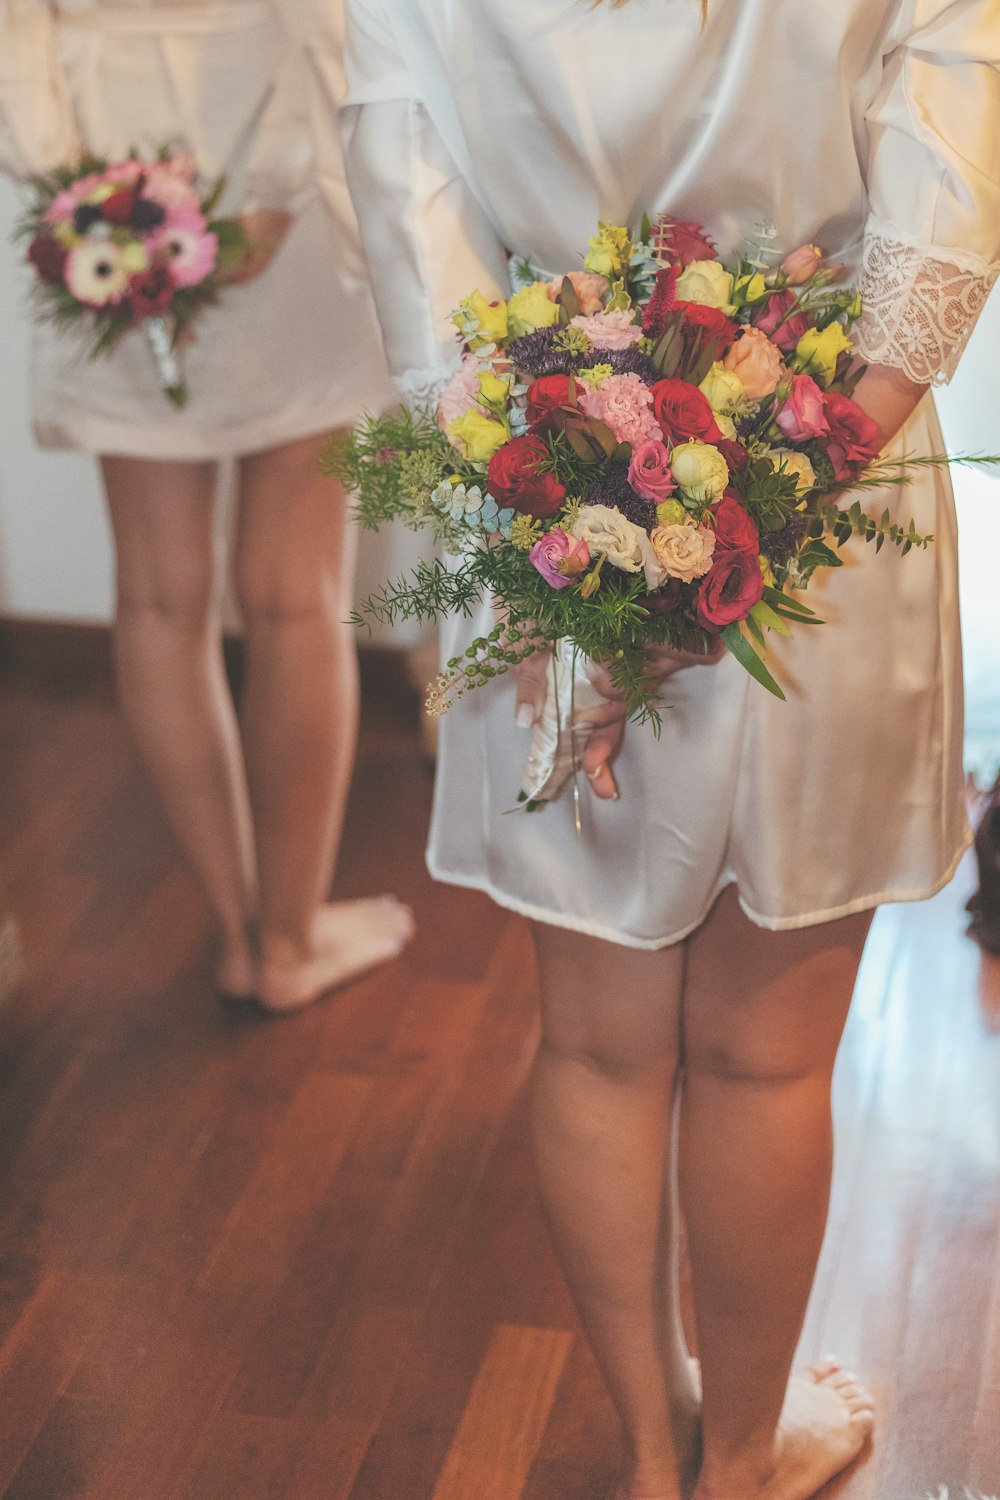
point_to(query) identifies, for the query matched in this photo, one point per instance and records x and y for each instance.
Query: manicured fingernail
(593, 775)
(525, 716)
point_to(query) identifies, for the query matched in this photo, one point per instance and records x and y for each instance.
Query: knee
(182, 595)
(615, 1060)
(757, 1061)
(270, 588)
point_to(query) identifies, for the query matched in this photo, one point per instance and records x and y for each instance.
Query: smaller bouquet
(129, 244)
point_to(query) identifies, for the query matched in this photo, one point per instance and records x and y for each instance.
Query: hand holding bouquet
(123, 245)
(647, 453)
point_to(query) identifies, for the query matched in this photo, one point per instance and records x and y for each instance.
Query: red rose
(729, 590)
(711, 320)
(151, 293)
(734, 528)
(681, 240)
(118, 209)
(546, 394)
(734, 453)
(516, 480)
(683, 412)
(48, 258)
(853, 440)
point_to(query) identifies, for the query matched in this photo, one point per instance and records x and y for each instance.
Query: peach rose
(590, 290)
(757, 362)
(802, 263)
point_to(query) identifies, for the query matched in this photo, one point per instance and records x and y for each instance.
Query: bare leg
(603, 1092)
(172, 684)
(294, 571)
(763, 1016)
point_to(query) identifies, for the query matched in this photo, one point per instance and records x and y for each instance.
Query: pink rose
(803, 415)
(802, 263)
(649, 472)
(783, 326)
(757, 362)
(590, 290)
(559, 557)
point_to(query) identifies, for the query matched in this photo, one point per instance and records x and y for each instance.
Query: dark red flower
(118, 209)
(683, 412)
(151, 293)
(712, 321)
(661, 303)
(729, 590)
(681, 241)
(853, 440)
(735, 454)
(517, 480)
(48, 258)
(546, 394)
(663, 601)
(734, 527)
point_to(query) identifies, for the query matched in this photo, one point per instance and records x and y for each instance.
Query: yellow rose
(750, 289)
(672, 513)
(480, 322)
(531, 308)
(722, 389)
(700, 471)
(610, 251)
(817, 352)
(477, 436)
(493, 389)
(707, 282)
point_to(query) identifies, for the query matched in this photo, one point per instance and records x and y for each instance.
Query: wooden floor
(303, 1260)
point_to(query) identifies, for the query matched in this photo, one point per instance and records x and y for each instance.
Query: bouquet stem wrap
(562, 729)
(161, 342)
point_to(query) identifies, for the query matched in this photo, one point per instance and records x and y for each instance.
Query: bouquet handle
(161, 342)
(560, 733)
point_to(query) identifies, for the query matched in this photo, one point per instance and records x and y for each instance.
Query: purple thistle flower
(612, 488)
(533, 353)
(780, 545)
(623, 362)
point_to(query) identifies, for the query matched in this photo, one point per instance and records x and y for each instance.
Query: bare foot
(349, 938)
(236, 976)
(827, 1420)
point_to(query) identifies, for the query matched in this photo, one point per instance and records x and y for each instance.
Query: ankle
(740, 1475)
(285, 950)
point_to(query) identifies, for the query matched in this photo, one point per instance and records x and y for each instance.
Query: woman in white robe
(716, 909)
(249, 88)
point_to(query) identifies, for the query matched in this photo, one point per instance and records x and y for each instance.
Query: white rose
(790, 462)
(707, 282)
(700, 471)
(606, 530)
(722, 389)
(683, 552)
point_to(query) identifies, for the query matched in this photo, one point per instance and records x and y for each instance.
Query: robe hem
(771, 924)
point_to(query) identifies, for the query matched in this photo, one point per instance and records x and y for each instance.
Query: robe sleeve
(932, 244)
(427, 239)
(37, 126)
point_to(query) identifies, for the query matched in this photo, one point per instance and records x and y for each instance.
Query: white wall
(55, 556)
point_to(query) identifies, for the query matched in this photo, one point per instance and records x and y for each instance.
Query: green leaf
(736, 643)
(568, 300)
(787, 602)
(765, 616)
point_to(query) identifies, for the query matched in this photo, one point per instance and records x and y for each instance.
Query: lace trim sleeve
(921, 303)
(420, 388)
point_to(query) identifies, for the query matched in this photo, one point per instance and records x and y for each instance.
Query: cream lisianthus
(723, 389)
(788, 461)
(683, 551)
(707, 282)
(606, 530)
(531, 308)
(96, 272)
(700, 470)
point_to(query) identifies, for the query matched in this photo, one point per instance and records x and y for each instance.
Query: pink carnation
(625, 403)
(461, 393)
(609, 330)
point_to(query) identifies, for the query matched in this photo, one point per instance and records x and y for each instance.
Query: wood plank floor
(303, 1260)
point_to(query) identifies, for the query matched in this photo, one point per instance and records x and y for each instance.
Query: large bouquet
(648, 452)
(121, 245)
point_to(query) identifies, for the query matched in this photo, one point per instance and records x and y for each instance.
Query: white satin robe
(871, 127)
(251, 88)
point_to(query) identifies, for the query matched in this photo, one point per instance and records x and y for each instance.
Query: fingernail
(593, 775)
(525, 716)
